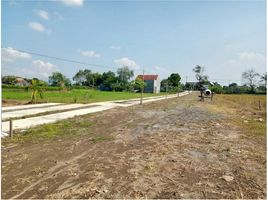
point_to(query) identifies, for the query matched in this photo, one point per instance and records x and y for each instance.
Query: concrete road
(39, 110)
(97, 107)
(30, 106)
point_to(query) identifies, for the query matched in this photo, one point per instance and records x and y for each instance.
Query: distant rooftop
(147, 77)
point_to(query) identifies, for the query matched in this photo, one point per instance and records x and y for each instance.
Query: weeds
(100, 138)
(243, 107)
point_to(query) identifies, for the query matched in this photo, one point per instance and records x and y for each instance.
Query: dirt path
(175, 148)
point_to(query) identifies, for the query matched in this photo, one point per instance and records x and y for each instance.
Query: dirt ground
(176, 148)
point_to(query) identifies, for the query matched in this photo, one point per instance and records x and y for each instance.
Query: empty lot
(175, 148)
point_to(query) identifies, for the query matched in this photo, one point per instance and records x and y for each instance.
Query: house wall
(152, 86)
(149, 88)
(157, 85)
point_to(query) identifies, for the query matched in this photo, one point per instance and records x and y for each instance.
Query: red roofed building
(152, 83)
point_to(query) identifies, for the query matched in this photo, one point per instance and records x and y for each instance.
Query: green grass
(73, 96)
(70, 128)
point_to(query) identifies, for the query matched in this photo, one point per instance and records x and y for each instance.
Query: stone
(261, 120)
(227, 178)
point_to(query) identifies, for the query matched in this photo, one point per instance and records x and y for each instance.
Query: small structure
(205, 92)
(152, 83)
(21, 82)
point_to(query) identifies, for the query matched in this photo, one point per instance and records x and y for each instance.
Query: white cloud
(10, 55)
(76, 3)
(123, 62)
(251, 56)
(43, 14)
(115, 47)
(91, 54)
(248, 59)
(43, 68)
(36, 26)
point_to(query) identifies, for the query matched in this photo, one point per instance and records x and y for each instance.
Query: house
(152, 83)
(21, 82)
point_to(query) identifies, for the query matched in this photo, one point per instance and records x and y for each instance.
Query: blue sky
(160, 37)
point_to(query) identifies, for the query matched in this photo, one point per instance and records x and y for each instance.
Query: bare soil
(176, 148)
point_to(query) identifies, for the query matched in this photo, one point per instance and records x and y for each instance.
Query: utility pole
(166, 89)
(142, 88)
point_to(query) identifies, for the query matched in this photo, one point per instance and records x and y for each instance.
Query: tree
(250, 78)
(80, 77)
(174, 79)
(84, 77)
(125, 74)
(264, 78)
(37, 87)
(108, 79)
(199, 74)
(58, 79)
(10, 80)
(164, 84)
(139, 84)
(216, 87)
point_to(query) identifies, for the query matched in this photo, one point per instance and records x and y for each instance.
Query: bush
(47, 88)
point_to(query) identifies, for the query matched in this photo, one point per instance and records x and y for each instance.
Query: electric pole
(166, 89)
(142, 87)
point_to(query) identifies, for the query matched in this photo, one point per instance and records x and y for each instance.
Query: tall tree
(264, 78)
(125, 74)
(8, 80)
(164, 85)
(108, 80)
(80, 77)
(199, 74)
(83, 77)
(58, 79)
(174, 79)
(250, 78)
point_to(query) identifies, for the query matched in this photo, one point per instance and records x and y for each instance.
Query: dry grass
(245, 111)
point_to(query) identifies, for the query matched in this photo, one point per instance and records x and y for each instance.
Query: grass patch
(63, 129)
(73, 96)
(99, 138)
(252, 127)
(244, 110)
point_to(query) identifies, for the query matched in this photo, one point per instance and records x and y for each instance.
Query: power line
(97, 65)
(64, 59)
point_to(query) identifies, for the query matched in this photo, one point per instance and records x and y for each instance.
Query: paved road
(40, 110)
(24, 107)
(50, 118)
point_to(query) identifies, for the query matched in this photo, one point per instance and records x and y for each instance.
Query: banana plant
(37, 89)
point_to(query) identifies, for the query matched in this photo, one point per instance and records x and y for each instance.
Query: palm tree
(37, 88)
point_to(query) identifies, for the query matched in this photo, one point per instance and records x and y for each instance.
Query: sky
(159, 37)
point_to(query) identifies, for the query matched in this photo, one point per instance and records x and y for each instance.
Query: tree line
(253, 82)
(121, 81)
